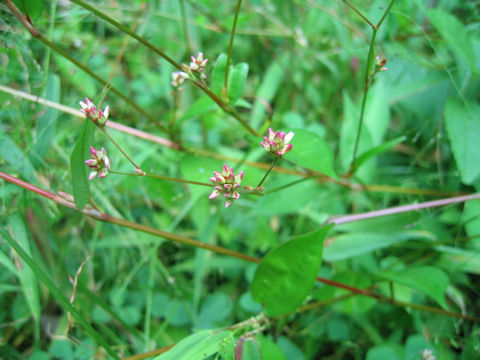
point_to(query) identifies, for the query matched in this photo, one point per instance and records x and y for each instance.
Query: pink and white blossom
(277, 143)
(98, 116)
(226, 184)
(99, 163)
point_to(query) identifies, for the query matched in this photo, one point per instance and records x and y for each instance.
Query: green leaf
(463, 129)
(218, 75)
(287, 273)
(236, 82)
(80, 183)
(47, 122)
(201, 106)
(455, 35)
(215, 308)
(312, 152)
(383, 352)
(376, 150)
(32, 8)
(455, 259)
(250, 350)
(426, 279)
(27, 277)
(357, 243)
(198, 346)
(16, 157)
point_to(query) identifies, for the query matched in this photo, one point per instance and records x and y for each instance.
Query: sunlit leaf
(287, 273)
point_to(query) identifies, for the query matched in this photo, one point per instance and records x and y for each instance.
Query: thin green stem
(155, 176)
(119, 148)
(230, 46)
(268, 172)
(185, 26)
(360, 14)
(367, 79)
(288, 185)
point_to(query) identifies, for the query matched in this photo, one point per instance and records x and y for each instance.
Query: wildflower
(178, 77)
(197, 66)
(100, 163)
(98, 116)
(427, 354)
(226, 182)
(277, 142)
(380, 64)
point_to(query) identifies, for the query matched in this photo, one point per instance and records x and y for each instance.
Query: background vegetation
(410, 279)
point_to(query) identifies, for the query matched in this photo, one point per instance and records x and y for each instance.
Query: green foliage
(287, 273)
(386, 286)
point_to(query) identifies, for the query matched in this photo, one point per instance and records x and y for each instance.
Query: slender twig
(367, 79)
(218, 249)
(155, 176)
(268, 172)
(121, 150)
(230, 47)
(401, 209)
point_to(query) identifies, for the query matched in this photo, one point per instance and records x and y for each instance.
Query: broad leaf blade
(198, 346)
(80, 183)
(312, 152)
(218, 75)
(463, 129)
(377, 150)
(237, 82)
(287, 273)
(426, 279)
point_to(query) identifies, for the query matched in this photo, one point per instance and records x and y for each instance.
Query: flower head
(178, 77)
(99, 163)
(98, 116)
(427, 354)
(277, 142)
(226, 182)
(196, 66)
(380, 64)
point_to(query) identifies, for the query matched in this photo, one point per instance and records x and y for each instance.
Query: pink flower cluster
(226, 182)
(98, 116)
(277, 142)
(99, 163)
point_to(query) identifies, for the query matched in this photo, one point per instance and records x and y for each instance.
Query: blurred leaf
(46, 123)
(218, 75)
(382, 352)
(426, 279)
(26, 275)
(463, 129)
(311, 152)
(80, 182)
(250, 350)
(201, 106)
(61, 349)
(414, 345)
(351, 305)
(297, 197)
(198, 346)
(377, 150)
(289, 348)
(269, 349)
(32, 8)
(237, 81)
(16, 158)
(455, 259)
(268, 88)
(455, 35)
(471, 219)
(199, 168)
(286, 274)
(215, 308)
(357, 243)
